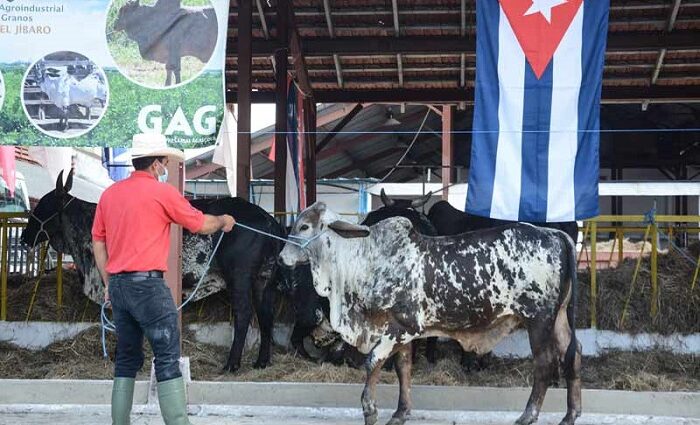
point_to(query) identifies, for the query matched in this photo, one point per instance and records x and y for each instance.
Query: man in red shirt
(131, 240)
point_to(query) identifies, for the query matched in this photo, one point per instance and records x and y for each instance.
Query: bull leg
(562, 335)
(242, 313)
(168, 71)
(373, 365)
(297, 340)
(540, 332)
(178, 66)
(264, 307)
(431, 349)
(403, 363)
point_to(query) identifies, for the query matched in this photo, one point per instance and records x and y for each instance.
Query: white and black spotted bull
(244, 264)
(388, 285)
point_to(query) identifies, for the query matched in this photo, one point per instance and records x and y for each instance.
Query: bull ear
(59, 183)
(349, 230)
(388, 202)
(69, 182)
(417, 203)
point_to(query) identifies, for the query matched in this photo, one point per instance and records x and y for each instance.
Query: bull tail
(570, 356)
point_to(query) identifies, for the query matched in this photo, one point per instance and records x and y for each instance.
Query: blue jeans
(144, 306)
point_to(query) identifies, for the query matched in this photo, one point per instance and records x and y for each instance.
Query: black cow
(245, 262)
(448, 221)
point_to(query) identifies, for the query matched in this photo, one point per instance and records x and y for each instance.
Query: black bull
(245, 262)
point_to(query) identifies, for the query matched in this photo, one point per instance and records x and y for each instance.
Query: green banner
(96, 72)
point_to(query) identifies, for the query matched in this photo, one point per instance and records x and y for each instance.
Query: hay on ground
(678, 309)
(81, 358)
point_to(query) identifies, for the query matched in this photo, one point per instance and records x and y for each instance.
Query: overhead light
(390, 120)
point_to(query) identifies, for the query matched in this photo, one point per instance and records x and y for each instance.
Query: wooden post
(281, 65)
(447, 140)
(173, 277)
(310, 137)
(245, 62)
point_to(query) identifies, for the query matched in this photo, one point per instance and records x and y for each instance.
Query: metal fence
(654, 227)
(17, 259)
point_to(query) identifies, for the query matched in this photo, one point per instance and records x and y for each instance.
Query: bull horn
(388, 202)
(417, 203)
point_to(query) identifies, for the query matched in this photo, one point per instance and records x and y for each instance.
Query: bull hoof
(569, 419)
(526, 419)
(260, 364)
(400, 420)
(231, 368)
(371, 418)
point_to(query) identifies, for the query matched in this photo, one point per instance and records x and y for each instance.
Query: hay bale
(76, 306)
(679, 309)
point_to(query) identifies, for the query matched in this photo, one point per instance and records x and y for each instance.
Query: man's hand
(107, 295)
(228, 223)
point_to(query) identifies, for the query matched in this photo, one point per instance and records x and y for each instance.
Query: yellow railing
(651, 229)
(17, 259)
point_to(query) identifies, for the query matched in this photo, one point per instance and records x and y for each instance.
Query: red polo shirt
(133, 217)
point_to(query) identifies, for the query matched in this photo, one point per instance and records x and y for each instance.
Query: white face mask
(163, 178)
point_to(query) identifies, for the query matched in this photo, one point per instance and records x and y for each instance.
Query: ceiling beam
(662, 53)
(263, 21)
(331, 34)
(201, 170)
(611, 95)
(338, 127)
(296, 50)
(617, 41)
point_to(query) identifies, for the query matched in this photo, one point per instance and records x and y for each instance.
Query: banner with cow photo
(96, 72)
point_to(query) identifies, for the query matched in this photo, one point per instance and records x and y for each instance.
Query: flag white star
(544, 7)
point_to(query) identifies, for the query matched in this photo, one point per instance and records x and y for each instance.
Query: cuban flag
(537, 109)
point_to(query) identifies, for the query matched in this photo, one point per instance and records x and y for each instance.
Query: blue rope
(108, 326)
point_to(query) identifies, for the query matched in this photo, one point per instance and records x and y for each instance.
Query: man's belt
(152, 273)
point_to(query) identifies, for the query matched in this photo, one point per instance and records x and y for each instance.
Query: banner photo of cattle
(65, 94)
(161, 43)
(45, 55)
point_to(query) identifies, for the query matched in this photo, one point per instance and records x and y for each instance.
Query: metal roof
(424, 50)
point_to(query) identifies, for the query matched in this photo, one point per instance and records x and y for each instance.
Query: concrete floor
(269, 418)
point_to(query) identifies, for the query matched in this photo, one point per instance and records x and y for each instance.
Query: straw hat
(153, 144)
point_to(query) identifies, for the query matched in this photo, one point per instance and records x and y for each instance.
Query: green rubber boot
(122, 398)
(173, 402)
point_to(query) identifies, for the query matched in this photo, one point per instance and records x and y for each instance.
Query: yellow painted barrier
(653, 230)
(594, 283)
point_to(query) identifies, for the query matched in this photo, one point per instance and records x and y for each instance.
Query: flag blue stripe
(292, 126)
(485, 122)
(595, 24)
(535, 147)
